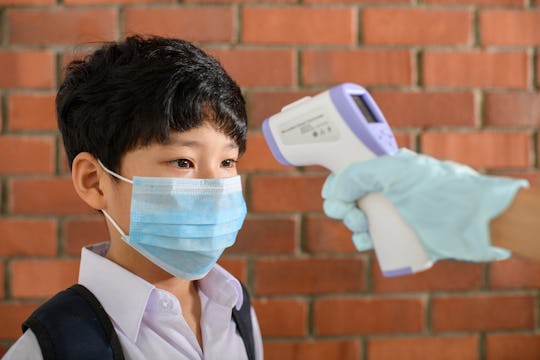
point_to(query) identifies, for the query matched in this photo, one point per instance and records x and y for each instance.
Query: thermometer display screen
(362, 106)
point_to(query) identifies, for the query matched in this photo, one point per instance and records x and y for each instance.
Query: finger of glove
(337, 209)
(356, 220)
(498, 253)
(362, 177)
(362, 241)
(355, 181)
(328, 186)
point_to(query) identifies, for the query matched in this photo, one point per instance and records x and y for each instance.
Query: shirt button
(166, 304)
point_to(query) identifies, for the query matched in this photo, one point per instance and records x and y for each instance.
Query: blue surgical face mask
(183, 225)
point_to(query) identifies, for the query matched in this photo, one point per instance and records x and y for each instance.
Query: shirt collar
(221, 287)
(115, 286)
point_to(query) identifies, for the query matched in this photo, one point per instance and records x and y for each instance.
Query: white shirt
(149, 321)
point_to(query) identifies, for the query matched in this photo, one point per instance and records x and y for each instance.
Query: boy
(153, 129)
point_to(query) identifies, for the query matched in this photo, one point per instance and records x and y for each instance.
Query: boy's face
(202, 152)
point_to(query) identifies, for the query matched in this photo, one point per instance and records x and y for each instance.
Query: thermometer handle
(396, 245)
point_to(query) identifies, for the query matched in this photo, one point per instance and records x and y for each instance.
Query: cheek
(124, 203)
(228, 172)
(120, 205)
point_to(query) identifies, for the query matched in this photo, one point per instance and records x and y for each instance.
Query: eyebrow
(194, 143)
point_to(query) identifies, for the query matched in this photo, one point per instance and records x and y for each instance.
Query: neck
(184, 290)
(133, 261)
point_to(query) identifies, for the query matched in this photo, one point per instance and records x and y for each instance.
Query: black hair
(133, 93)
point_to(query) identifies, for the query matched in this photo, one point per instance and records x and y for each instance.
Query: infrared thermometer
(333, 129)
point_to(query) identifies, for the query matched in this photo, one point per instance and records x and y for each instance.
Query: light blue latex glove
(448, 205)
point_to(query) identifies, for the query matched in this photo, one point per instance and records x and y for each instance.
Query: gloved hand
(448, 205)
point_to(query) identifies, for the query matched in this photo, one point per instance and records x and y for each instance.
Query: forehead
(204, 135)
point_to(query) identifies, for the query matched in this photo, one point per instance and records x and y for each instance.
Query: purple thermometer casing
(274, 148)
(364, 118)
(361, 115)
(371, 128)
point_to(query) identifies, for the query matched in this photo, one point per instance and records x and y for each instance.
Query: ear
(87, 177)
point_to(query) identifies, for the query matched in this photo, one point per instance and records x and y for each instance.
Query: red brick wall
(457, 79)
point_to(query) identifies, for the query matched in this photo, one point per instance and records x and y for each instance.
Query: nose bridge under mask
(186, 200)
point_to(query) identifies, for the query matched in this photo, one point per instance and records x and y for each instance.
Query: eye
(229, 163)
(183, 163)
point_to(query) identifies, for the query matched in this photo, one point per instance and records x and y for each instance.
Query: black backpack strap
(242, 318)
(74, 325)
(104, 320)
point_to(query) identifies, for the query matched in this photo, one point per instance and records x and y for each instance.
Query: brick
(240, 1)
(82, 232)
(378, 2)
(2, 279)
(282, 317)
(263, 104)
(516, 272)
(445, 275)
(31, 112)
(286, 193)
(366, 67)
(237, 267)
(207, 24)
(482, 312)
(325, 235)
(405, 140)
(62, 26)
(509, 27)
(54, 196)
(42, 278)
(515, 3)
(512, 346)
(244, 66)
(299, 25)
(28, 69)
(538, 71)
(308, 275)
(27, 154)
(312, 168)
(25, 237)
(426, 108)
(63, 163)
(258, 156)
(486, 149)
(476, 68)
(113, 2)
(314, 350)
(266, 236)
(419, 348)
(348, 316)
(399, 26)
(13, 3)
(512, 109)
(13, 314)
(538, 148)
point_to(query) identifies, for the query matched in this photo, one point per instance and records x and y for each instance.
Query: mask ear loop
(114, 174)
(116, 226)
